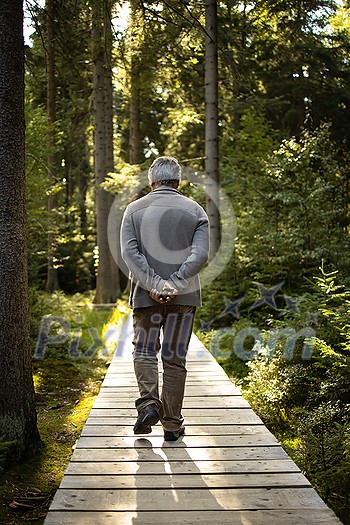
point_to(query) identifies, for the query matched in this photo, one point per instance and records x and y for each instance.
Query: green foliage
(334, 306)
(129, 183)
(341, 20)
(324, 454)
(37, 188)
(282, 68)
(79, 325)
(72, 220)
(290, 205)
(305, 402)
(162, 53)
(285, 58)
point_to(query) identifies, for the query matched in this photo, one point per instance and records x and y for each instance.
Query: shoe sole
(144, 426)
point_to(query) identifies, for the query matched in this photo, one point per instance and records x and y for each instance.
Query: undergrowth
(66, 386)
(304, 399)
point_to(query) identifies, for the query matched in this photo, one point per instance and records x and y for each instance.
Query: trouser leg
(147, 323)
(178, 325)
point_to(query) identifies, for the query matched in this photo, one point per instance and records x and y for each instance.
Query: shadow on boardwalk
(172, 497)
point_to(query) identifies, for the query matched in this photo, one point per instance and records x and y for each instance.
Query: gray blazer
(164, 237)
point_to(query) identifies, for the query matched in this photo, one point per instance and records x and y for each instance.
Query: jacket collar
(162, 189)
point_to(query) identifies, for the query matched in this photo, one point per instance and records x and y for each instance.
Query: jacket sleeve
(134, 259)
(198, 256)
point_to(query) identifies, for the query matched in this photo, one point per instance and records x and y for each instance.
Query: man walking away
(165, 243)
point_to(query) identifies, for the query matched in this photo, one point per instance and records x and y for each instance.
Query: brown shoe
(147, 417)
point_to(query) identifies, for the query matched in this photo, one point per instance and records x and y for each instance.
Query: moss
(66, 393)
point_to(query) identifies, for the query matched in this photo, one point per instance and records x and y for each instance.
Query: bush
(305, 402)
(78, 327)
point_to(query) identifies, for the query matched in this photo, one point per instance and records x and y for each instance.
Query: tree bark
(17, 403)
(105, 282)
(83, 181)
(52, 273)
(114, 270)
(211, 125)
(135, 143)
(135, 146)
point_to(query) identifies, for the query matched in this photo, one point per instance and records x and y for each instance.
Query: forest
(254, 102)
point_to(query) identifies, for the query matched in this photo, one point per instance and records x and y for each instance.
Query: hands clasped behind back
(166, 295)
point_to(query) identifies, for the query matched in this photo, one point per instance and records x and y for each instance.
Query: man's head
(164, 171)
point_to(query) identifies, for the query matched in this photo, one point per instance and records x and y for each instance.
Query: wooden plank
(129, 381)
(228, 415)
(240, 418)
(193, 369)
(122, 367)
(201, 355)
(191, 392)
(226, 389)
(180, 517)
(190, 373)
(110, 468)
(191, 378)
(208, 403)
(211, 381)
(220, 385)
(199, 364)
(187, 499)
(123, 382)
(178, 454)
(91, 429)
(253, 440)
(203, 375)
(182, 481)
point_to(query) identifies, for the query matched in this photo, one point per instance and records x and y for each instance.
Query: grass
(65, 389)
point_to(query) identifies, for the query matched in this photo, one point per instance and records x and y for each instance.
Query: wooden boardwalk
(227, 469)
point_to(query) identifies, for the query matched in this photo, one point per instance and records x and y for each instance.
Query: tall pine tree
(17, 403)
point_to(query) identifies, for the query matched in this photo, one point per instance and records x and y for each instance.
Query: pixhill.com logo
(250, 341)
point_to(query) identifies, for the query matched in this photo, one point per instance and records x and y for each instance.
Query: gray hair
(164, 170)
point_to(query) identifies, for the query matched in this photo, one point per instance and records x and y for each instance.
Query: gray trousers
(176, 323)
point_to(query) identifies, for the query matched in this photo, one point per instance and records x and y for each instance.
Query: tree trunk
(83, 181)
(211, 125)
(17, 404)
(52, 273)
(105, 282)
(136, 25)
(135, 146)
(114, 270)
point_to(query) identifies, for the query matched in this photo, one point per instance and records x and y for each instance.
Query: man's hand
(167, 294)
